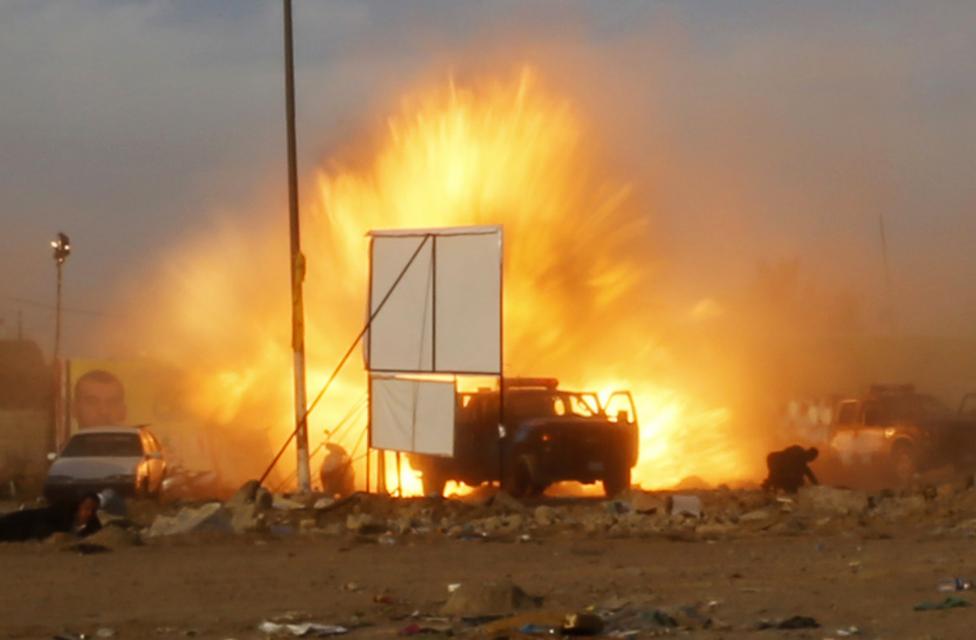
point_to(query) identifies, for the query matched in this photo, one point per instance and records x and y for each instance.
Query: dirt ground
(223, 586)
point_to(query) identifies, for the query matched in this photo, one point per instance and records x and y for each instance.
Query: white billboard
(412, 415)
(440, 291)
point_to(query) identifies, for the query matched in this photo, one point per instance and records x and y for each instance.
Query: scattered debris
(285, 504)
(955, 584)
(951, 602)
(828, 500)
(211, 517)
(416, 628)
(680, 505)
(794, 622)
(583, 624)
(113, 536)
(323, 503)
(301, 629)
(505, 502)
(643, 502)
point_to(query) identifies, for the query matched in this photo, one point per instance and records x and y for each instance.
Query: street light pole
(297, 267)
(62, 249)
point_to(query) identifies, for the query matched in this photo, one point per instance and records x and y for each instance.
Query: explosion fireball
(578, 267)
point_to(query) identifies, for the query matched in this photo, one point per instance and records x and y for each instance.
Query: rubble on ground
(488, 514)
(488, 599)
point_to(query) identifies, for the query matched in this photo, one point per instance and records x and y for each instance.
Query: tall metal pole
(62, 249)
(297, 267)
(57, 318)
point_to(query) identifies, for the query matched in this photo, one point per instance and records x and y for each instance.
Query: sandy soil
(224, 586)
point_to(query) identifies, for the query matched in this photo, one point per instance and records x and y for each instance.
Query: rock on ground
(488, 598)
(209, 517)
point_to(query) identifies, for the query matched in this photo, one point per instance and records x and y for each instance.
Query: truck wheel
(903, 463)
(616, 480)
(517, 478)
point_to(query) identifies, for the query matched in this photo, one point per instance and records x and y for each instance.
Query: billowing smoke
(695, 217)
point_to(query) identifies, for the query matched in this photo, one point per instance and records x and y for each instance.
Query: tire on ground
(616, 479)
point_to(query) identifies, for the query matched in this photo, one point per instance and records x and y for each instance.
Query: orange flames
(576, 261)
(578, 296)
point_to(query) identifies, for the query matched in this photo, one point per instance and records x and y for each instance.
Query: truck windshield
(543, 404)
(574, 404)
(103, 445)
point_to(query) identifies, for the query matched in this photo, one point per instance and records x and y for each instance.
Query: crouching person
(336, 472)
(77, 517)
(790, 468)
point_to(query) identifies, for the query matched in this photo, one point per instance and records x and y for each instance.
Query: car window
(104, 445)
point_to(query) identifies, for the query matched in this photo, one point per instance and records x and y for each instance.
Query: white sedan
(127, 460)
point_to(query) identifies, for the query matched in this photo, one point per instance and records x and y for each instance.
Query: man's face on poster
(99, 400)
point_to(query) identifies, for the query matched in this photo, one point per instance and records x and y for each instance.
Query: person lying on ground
(789, 468)
(78, 517)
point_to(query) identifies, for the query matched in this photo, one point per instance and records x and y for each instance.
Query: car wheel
(903, 463)
(616, 480)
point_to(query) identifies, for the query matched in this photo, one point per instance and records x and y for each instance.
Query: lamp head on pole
(62, 248)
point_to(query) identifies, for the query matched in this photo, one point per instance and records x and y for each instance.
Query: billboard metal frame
(431, 235)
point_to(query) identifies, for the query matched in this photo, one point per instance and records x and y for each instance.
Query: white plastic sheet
(412, 415)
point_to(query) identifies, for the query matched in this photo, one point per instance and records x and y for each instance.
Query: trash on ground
(951, 602)
(794, 622)
(302, 629)
(285, 504)
(415, 628)
(537, 630)
(209, 517)
(955, 584)
(583, 624)
(685, 506)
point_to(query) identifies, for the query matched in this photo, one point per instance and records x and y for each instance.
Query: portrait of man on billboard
(99, 400)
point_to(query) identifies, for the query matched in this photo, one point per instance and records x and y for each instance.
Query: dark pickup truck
(545, 435)
(904, 431)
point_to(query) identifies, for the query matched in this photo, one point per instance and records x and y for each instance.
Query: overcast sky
(788, 127)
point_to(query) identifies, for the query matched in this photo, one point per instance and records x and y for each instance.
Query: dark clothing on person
(336, 472)
(37, 524)
(789, 468)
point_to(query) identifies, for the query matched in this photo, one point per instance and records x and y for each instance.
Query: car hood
(93, 468)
